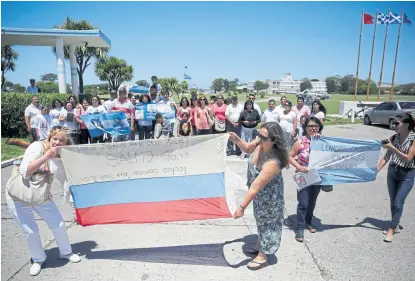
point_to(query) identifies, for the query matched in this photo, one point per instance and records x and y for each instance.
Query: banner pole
(383, 56)
(369, 82)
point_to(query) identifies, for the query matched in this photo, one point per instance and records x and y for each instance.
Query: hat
(32, 79)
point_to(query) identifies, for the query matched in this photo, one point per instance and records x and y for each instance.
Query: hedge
(13, 106)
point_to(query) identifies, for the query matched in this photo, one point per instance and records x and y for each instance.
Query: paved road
(348, 245)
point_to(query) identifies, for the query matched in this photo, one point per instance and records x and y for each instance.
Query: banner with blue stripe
(344, 160)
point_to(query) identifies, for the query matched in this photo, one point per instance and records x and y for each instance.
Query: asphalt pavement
(347, 246)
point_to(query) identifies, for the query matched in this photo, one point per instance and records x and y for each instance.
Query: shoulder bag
(33, 191)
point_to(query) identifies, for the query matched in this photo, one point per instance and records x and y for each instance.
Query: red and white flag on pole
(367, 19)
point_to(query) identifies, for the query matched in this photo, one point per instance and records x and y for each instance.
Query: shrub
(13, 106)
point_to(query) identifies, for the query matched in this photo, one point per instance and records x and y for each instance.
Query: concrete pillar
(60, 59)
(74, 73)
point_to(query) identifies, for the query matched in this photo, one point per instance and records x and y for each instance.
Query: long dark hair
(407, 118)
(315, 120)
(54, 102)
(99, 100)
(248, 102)
(280, 146)
(184, 99)
(322, 108)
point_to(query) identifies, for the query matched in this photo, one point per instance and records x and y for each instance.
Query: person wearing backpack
(28, 191)
(401, 170)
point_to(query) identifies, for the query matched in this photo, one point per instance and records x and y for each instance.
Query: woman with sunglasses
(219, 110)
(266, 189)
(41, 159)
(307, 197)
(96, 108)
(204, 117)
(401, 171)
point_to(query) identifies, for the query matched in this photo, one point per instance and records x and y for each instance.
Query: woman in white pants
(33, 162)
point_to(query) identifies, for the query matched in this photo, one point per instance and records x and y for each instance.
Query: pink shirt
(219, 111)
(201, 120)
(305, 110)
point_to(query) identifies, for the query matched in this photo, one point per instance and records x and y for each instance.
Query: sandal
(260, 265)
(251, 251)
(299, 237)
(311, 228)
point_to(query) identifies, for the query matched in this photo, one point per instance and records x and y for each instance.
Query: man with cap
(232, 114)
(33, 89)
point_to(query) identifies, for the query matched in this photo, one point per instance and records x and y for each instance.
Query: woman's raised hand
(233, 137)
(52, 153)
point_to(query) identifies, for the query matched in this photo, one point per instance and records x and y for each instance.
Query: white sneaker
(35, 268)
(71, 257)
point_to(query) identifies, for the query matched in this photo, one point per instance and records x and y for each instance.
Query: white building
(289, 85)
(248, 86)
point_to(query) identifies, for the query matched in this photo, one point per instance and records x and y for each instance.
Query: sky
(244, 40)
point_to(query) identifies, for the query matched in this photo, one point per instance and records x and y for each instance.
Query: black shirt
(252, 115)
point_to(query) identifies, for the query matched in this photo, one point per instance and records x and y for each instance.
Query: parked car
(385, 112)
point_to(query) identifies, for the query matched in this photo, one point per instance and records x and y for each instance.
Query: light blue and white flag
(344, 160)
(114, 123)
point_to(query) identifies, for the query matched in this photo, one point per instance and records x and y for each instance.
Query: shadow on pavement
(291, 222)
(81, 248)
(200, 254)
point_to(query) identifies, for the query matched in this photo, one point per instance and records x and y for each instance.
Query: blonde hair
(54, 132)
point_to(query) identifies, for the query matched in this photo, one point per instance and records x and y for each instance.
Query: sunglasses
(313, 126)
(263, 138)
(202, 99)
(396, 124)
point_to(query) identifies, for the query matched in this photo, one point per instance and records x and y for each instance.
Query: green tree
(184, 85)
(226, 85)
(48, 86)
(314, 80)
(170, 85)
(49, 77)
(217, 85)
(114, 70)
(260, 86)
(234, 84)
(8, 61)
(83, 54)
(143, 83)
(305, 79)
(8, 84)
(306, 84)
(18, 88)
(333, 84)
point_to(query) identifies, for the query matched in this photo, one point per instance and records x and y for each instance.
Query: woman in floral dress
(269, 155)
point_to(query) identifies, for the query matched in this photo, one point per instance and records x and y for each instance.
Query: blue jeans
(307, 199)
(400, 183)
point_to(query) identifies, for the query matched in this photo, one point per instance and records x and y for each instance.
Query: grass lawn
(10, 151)
(332, 104)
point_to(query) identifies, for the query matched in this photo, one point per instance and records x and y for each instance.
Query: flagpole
(371, 58)
(383, 56)
(396, 57)
(358, 57)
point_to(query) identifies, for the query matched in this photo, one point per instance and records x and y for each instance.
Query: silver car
(385, 112)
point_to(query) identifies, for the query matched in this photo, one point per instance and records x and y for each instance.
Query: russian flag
(148, 181)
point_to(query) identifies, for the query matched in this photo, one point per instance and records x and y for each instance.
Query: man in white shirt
(232, 114)
(271, 114)
(32, 88)
(252, 98)
(32, 110)
(280, 107)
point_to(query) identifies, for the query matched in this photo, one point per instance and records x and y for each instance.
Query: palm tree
(83, 54)
(8, 61)
(114, 70)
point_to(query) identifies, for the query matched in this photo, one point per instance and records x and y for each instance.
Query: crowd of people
(283, 139)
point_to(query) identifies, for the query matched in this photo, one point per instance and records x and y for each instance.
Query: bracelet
(242, 209)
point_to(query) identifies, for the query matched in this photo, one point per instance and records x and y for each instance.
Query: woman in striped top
(401, 172)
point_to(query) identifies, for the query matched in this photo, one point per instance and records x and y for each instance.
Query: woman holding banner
(266, 188)
(401, 171)
(306, 197)
(96, 108)
(145, 127)
(38, 166)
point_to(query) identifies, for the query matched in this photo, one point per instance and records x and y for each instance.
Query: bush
(13, 106)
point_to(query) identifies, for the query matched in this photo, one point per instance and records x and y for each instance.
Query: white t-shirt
(55, 113)
(270, 116)
(319, 115)
(257, 108)
(287, 121)
(96, 110)
(233, 112)
(42, 125)
(32, 111)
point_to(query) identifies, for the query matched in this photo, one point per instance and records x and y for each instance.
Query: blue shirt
(33, 90)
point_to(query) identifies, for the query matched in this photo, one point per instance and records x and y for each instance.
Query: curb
(9, 162)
